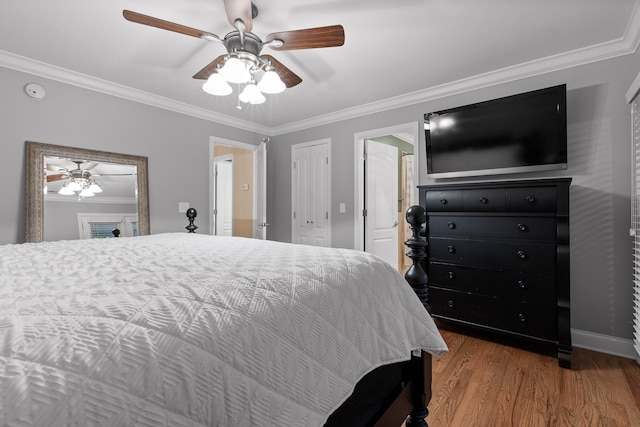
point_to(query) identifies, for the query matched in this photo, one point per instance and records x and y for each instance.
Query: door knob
(395, 224)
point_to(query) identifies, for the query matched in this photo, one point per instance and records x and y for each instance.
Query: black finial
(191, 214)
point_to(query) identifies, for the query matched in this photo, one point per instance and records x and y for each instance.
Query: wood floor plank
(484, 381)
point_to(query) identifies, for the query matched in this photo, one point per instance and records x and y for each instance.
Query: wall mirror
(77, 193)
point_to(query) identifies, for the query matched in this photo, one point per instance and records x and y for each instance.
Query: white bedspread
(191, 330)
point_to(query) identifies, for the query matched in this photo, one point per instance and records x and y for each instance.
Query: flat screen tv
(520, 133)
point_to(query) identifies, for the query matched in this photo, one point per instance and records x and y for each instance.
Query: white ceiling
(396, 52)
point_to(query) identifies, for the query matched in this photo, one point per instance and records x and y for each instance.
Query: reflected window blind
(100, 230)
(635, 220)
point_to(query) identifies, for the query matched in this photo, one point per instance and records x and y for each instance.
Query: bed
(183, 329)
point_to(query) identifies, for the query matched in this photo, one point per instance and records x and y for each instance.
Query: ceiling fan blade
(167, 25)
(239, 9)
(208, 70)
(57, 177)
(309, 38)
(288, 77)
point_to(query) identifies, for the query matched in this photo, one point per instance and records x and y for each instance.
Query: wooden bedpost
(418, 279)
(416, 276)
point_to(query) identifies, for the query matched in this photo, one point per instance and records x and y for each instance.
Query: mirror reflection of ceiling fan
(79, 180)
(243, 60)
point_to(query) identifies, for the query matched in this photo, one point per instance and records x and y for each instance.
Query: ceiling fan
(80, 179)
(243, 59)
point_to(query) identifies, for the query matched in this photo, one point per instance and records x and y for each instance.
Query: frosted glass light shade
(66, 191)
(74, 186)
(86, 193)
(271, 83)
(216, 85)
(235, 71)
(95, 188)
(251, 94)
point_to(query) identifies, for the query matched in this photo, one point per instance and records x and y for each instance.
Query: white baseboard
(603, 343)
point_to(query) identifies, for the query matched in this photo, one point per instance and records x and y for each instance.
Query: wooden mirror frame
(35, 154)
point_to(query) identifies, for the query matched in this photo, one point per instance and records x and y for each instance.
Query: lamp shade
(74, 186)
(95, 188)
(216, 85)
(251, 94)
(66, 191)
(86, 193)
(271, 83)
(235, 71)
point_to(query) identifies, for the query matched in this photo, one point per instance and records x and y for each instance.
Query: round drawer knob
(451, 225)
(522, 254)
(531, 199)
(451, 303)
(522, 227)
(443, 201)
(484, 200)
(522, 284)
(522, 317)
(452, 249)
(452, 275)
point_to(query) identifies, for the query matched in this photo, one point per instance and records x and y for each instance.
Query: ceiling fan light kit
(243, 61)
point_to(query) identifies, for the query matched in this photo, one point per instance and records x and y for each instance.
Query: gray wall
(177, 146)
(599, 148)
(61, 217)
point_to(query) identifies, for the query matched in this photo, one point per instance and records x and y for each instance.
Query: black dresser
(498, 257)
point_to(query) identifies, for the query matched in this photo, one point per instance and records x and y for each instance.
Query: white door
(381, 201)
(310, 193)
(223, 209)
(300, 165)
(260, 173)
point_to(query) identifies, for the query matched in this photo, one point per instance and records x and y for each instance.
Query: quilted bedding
(194, 330)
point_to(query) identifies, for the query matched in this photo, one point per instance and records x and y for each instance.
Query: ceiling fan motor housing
(249, 50)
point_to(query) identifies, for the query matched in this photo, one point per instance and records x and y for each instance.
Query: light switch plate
(183, 207)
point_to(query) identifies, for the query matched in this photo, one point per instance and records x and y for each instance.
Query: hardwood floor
(484, 382)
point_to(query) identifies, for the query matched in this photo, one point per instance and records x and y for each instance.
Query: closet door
(300, 194)
(310, 182)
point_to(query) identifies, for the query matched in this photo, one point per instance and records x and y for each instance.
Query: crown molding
(53, 72)
(558, 62)
(97, 199)
(625, 45)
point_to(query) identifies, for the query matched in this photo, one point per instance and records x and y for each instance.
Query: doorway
(223, 216)
(373, 189)
(237, 188)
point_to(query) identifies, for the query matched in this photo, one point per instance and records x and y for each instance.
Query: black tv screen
(520, 133)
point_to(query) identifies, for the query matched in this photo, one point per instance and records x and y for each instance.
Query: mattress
(184, 329)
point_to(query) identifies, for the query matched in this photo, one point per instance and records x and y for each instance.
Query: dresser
(498, 257)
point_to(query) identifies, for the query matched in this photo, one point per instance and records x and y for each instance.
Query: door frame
(213, 141)
(214, 194)
(358, 219)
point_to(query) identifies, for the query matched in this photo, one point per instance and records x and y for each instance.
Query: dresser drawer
(484, 200)
(515, 285)
(515, 255)
(499, 227)
(444, 201)
(516, 317)
(532, 199)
